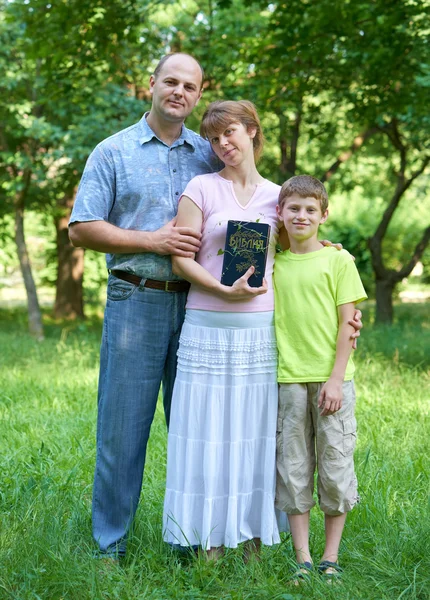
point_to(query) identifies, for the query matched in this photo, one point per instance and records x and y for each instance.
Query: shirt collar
(146, 134)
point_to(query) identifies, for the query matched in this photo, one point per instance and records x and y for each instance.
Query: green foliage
(355, 207)
(321, 73)
(352, 239)
(62, 73)
(47, 444)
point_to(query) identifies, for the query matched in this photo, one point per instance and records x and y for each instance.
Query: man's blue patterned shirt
(134, 181)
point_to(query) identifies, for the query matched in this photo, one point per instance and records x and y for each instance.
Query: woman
(222, 444)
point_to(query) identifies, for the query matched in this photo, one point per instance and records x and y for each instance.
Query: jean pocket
(118, 289)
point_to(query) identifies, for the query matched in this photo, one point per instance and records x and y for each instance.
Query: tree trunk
(69, 296)
(283, 145)
(288, 164)
(345, 156)
(35, 325)
(384, 300)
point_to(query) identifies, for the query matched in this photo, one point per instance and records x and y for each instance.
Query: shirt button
(176, 193)
(174, 170)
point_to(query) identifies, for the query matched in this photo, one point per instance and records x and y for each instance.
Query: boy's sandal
(302, 573)
(330, 571)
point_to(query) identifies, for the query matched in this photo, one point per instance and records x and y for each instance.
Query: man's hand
(180, 241)
(241, 290)
(329, 243)
(331, 397)
(357, 324)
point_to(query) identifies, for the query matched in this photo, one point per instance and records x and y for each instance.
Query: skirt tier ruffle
(222, 438)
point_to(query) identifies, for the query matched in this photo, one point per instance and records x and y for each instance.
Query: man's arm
(190, 215)
(331, 396)
(357, 324)
(96, 195)
(105, 237)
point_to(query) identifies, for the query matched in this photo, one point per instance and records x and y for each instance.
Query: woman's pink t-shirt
(217, 200)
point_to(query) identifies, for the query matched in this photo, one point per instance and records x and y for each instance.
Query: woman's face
(234, 144)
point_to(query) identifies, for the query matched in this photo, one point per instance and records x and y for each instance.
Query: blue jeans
(138, 352)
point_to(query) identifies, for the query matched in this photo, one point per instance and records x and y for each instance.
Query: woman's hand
(241, 290)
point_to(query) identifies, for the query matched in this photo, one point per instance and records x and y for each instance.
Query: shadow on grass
(406, 341)
(15, 320)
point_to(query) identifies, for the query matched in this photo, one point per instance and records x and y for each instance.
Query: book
(246, 244)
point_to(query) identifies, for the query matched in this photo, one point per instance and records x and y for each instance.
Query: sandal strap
(327, 564)
(305, 566)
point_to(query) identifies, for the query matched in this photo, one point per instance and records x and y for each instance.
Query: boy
(316, 289)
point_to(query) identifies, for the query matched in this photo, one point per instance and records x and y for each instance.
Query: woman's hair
(220, 114)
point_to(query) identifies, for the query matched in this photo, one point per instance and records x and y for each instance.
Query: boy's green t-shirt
(308, 290)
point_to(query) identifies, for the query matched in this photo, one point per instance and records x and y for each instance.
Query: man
(126, 206)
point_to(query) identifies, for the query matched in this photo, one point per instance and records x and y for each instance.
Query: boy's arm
(331, 396)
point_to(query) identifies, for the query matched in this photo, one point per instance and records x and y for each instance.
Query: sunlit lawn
(48, 410)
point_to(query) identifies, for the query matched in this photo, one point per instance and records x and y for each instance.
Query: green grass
(48, 412)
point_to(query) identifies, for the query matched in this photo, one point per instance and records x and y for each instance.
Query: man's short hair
(304, 186)
(166, 58)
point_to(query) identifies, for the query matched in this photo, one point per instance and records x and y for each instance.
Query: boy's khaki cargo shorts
(305, 439)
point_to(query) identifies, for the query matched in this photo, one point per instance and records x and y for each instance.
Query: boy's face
(301, 217)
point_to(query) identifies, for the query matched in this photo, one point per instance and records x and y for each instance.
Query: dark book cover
(246, 244)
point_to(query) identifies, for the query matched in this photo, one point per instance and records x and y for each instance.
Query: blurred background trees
(342, 89)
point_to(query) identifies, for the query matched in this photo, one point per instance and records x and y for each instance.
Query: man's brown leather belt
(166, 286)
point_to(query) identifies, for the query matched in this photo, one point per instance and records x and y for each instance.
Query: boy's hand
(357, 324)
(331, 396)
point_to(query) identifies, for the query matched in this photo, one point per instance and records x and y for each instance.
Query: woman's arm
(190, 215)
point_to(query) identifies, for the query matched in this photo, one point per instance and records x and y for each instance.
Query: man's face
(176, 89)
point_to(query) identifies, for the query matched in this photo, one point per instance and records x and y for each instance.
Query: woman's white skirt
(221, 458)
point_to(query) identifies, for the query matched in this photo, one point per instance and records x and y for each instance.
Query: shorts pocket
(118, 289)
(330, 438)
(349, 436)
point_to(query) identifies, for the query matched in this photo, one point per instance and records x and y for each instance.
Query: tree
(367, 64)
(412, 164)
(331, 77)
(57, 66)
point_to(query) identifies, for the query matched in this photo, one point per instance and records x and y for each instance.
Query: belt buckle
(166, 286)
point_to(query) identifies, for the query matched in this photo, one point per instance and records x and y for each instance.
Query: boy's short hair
(304, 186)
